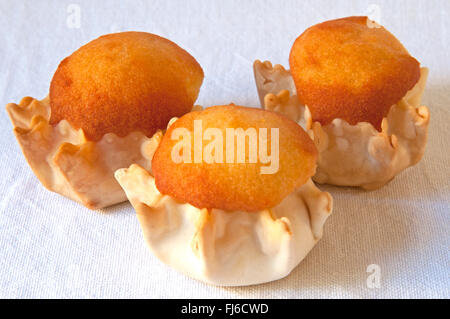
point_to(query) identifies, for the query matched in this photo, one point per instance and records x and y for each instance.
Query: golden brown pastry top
(351, 69)
(235, 186)
(124, 82)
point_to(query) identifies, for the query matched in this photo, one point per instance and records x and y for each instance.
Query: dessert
(230, 201)
(357, 91)
(106, 101)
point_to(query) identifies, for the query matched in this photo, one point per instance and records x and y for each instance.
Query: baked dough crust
(67, 163)
(124, 82)
(349, 69)
(227, 248)
(353, 155)
(220, 184)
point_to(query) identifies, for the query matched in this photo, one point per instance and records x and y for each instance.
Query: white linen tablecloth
(53, 247)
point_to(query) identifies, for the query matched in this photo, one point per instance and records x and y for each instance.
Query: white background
(53, 247)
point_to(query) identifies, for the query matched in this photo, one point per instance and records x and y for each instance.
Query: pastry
(106, 101)
(230, 201)
(357, 92)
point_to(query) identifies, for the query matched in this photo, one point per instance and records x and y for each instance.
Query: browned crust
(235, 186)
(345, 69)
(124, 82)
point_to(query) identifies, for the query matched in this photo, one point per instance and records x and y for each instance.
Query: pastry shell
(67, 163)
(227, 248)
(352, 155)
